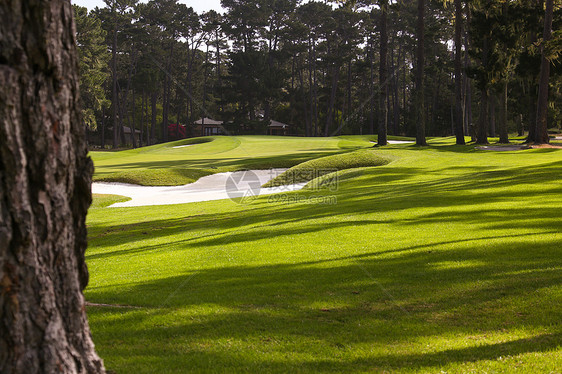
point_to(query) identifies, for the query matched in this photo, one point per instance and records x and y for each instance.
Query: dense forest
(416, 68)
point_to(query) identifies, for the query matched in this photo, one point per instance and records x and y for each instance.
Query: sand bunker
(514, 147)
(397, 142)
(212, 187)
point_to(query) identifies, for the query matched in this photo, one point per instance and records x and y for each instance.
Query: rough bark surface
(45, 178)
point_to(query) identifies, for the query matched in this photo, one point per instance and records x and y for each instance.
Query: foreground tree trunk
(45, 178)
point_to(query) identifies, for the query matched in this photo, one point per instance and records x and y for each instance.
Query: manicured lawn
(447, 259)
(175, 163)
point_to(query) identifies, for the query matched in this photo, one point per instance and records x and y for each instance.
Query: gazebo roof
(278, 124)
(208, 121)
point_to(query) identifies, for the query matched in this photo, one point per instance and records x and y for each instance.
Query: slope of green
(308, 170)
(448, 259)
(166, 164)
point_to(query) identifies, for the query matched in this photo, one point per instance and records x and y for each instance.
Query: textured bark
(45, 178)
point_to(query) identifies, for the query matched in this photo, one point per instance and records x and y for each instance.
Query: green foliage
(93, 62)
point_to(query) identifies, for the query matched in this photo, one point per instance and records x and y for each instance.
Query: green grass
(307, 171)
(104, 200)
(448, 259)
(165, 165)
(156, 177)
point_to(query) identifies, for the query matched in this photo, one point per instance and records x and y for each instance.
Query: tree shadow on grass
(368, 194)
(239, 163)
(332, 309)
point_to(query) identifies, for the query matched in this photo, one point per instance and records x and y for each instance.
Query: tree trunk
(420, 55)
(541, 135)
(482, 133)
(153, 119)
(114, 90)
(102, 127)
(372, 89)
(458, 116)
(133, 125)
(383, 76)
(45, 177)
(314, 91)
(395, 93)
(142, 118)
(492, 100)
(332, 102)
(504, 137)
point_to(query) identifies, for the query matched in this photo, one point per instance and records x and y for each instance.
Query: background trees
(322, 67)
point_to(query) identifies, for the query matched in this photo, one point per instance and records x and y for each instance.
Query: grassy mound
(156, 177)
(312, 169)
(104, 200)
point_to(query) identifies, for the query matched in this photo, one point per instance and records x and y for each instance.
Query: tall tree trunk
(419, 76)
(45, 177)
(504, 137)
(133, 126)
(143, 101)
(349, 90)
(114, 98)
(314, 91)
(307, 130)
(395, 93)
(468, 111)
(532, 108)
(483, 125)
(332, 102)
(219, 77)
(166, 100)
(372, 88)
(492, 113)
(482, 131)
(541, 136)
(383, 76)
(153, 100)
(102, 127)
(458, 116)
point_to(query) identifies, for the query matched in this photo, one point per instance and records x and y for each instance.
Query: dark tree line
(421, 68)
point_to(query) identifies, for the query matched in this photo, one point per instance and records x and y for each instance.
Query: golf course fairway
(445, 259)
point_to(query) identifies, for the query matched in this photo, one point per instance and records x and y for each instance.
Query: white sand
(183, 146)
(397, 142)
(212, 187)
